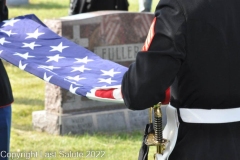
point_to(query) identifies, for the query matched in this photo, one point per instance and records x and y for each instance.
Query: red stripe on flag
(167, 96)
(104, 93)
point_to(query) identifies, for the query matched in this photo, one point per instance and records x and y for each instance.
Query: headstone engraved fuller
(113, 35)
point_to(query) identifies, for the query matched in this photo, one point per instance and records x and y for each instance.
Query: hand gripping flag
(28, 44)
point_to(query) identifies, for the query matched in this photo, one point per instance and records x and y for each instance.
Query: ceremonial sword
(156, 138)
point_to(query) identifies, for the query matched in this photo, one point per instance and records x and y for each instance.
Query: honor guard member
(84, 6)
(6, 98)
(194, 47)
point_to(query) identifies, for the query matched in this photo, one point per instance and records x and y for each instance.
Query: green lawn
(28, 91)
(45, 9)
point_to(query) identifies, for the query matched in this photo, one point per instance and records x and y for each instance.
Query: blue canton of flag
(28, 44)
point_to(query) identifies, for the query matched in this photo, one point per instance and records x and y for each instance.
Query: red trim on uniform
(146, 47)
(5, 105)
(150, 36)
(105, 93)
(167, 96)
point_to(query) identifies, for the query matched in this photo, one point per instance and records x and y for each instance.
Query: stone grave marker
(113, 35)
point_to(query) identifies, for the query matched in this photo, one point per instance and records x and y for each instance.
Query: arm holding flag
(148, 79)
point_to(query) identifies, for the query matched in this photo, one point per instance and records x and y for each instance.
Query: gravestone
(16, 2)
(113, 35)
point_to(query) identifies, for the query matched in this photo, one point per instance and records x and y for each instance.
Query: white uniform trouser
(170, 132)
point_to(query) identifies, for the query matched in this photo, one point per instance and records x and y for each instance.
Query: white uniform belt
(210, 116)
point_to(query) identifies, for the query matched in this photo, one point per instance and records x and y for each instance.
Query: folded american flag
(28, 44)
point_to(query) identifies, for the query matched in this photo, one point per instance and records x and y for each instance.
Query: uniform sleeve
(157, 65)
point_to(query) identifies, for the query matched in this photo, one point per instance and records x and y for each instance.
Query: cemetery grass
(29, 96)
(28, 92)
(46, 9)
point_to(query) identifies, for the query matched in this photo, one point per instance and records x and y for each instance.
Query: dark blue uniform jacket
(194, 47)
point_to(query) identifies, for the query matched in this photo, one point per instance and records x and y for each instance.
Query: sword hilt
(158, 123)
(156, 138)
